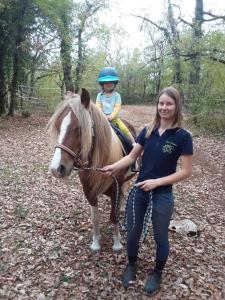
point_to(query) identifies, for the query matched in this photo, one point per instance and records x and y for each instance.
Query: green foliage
(207, 109)
(64, 41)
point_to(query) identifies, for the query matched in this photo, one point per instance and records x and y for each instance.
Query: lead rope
(148, 214)
(130, 201)
(147, 218)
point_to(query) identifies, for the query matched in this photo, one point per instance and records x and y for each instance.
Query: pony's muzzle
(62, 170)
(59, 172)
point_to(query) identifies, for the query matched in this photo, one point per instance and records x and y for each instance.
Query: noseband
(76, 156)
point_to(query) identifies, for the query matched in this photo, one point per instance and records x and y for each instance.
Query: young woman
(164, 142)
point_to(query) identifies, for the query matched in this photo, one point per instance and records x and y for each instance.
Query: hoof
(95, 246)
(117, 247)
(122, 208)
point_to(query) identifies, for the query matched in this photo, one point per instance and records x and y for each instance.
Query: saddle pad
(127, 145)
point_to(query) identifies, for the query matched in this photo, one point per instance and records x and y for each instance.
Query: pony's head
(66, 127)
(81, 134)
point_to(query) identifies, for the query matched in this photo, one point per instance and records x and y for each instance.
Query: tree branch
(151, 22)
(222, 61)
(186, 22)
(46, 75)
(214, 17)
(189, 56)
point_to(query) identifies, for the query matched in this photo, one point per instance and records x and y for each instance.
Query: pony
(84, 137)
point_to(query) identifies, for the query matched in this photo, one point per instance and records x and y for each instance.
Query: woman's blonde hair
(178, 117)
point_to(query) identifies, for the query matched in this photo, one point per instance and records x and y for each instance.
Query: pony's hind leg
(95, 245)
(117, 246)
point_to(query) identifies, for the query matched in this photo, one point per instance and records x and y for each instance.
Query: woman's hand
(148, 185)
(108, 170)
(124, 162)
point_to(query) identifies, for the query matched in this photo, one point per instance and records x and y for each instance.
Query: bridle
(78, 163)
(76, 156)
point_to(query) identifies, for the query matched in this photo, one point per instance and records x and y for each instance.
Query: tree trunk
(144, 92)
(177, 67)
(79, 61)
(2, 84)
(62, 90)
(158, 82)
(177, 77)
(14, 84)
(32, 81)
(65, 52)
(20, 37)
(194, 76)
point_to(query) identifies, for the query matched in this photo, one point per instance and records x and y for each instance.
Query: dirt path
(45, 228)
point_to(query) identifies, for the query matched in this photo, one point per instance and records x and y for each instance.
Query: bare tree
(195, 52)
(171, 34)
(87, 10)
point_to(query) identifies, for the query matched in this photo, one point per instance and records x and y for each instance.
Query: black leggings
(161, 214)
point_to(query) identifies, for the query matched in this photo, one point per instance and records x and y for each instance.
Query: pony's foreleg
(95, 246)
(117, 246)
(122, 202)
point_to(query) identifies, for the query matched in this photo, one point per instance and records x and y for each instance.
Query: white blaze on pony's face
(67, 126)
(56, 160)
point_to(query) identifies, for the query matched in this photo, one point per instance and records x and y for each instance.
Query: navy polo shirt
(161, 153)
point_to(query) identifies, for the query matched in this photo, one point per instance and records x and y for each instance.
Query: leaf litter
(45, 225)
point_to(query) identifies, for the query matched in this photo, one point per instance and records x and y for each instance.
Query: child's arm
(116, 111)
(117, 107)
(99, 102)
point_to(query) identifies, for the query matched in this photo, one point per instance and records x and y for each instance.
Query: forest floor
(45, 227)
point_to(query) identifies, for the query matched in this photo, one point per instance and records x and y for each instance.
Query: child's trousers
(119, 123)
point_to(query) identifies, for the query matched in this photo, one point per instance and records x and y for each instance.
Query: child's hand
(108, 170)
(110, 118)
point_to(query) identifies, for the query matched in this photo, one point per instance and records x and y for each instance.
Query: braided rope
(130, 200)
(147, 218)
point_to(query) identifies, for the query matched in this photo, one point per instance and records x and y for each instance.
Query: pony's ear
(85, 98)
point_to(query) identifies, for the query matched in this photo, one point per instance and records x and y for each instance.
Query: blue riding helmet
(108, 74)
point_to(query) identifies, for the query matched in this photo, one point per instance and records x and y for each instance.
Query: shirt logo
(168, 147)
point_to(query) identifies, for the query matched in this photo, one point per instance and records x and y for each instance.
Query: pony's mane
(99, 144)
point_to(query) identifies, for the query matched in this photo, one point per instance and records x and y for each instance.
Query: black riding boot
(153, 282)
(155, 278)
(129, 274)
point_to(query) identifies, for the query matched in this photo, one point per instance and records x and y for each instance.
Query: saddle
(127, 145)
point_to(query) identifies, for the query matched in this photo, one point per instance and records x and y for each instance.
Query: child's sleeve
(98, 101)
(117, 107)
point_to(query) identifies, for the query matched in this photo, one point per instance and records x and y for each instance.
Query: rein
(130, 201)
